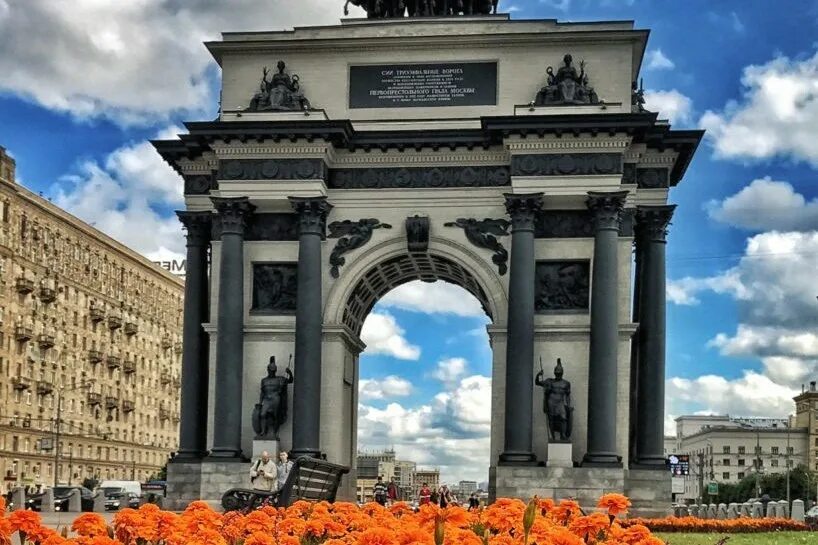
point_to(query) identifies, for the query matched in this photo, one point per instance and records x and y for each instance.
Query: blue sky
(85, 83)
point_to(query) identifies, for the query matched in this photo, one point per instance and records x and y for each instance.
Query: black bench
(310, 479)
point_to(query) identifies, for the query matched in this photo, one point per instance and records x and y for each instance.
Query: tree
(802, 486)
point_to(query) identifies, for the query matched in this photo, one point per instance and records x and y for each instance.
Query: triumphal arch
(512, 158)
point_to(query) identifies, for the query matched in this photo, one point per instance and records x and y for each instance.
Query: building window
(773, 463)
(725, 462)
(741, 450)
(758, 449)
(790, 450)
(725, 476)
(740, 476)
(774, 450)
(725, 449)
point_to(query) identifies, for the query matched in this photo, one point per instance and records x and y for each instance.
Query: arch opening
(398, 270)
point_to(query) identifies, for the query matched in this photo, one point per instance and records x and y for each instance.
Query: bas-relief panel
(274, 288)
(562, 286)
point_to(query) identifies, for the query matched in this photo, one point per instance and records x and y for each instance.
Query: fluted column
(603, 366)
(651, 240)
(312, 212)
(193, 404)
(234, 214)
(518, 449)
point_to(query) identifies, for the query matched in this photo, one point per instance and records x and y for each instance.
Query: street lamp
(57, 422)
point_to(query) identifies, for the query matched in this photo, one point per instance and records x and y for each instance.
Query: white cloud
(130, 61)
(671, 105)
(753, 394)
(753, 340)
(451, 432)
(450, 370)
(120, 197)
(777, 115)
(388, 387)
(767, 205)
(683, 291)
(658, 61)
(383, 335)
(433, 298)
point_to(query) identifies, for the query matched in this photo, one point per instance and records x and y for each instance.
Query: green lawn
(772, 538)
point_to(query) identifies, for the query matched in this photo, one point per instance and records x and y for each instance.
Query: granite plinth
(207, 481)
(648, 490)
(560, 455)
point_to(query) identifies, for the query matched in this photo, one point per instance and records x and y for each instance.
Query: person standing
(379, 491)
(474, 502)
(443, 497)
(284, 466)
(263, 474)
(392, 491)
(425, 494)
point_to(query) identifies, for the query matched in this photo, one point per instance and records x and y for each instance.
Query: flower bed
(505, 522)
(727, 526)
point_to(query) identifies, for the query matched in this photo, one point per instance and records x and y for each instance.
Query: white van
(130, 487)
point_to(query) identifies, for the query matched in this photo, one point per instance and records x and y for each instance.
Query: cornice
(556, 145)
(460, 157)
(269, 149)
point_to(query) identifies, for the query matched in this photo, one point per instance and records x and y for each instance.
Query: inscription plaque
(428, 84)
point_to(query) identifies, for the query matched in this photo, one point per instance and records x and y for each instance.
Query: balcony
(131, 329)
(129, 367)
(97, 314)
(167, 342)
(48, 295)
(44, 387)
(165, 378)
(114, 322)
(94, 399)
(113, 361)
(94, 356)
(128, 406)
(21, 382)
(45, 340)
(111, 403)
(24, 285)
(23, 333)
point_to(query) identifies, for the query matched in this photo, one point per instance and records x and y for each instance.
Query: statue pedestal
(560, 455)
(271, 446)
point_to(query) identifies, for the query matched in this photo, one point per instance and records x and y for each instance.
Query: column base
(312, 453)
(517, 458)
(650, 462)
(225, 455)
(601, 459)
(189, 456)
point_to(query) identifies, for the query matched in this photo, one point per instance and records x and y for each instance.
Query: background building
(726, 449)
(428, 476)
(91, 324)
(806, 417)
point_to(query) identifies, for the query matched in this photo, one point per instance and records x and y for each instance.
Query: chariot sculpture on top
(376, 9)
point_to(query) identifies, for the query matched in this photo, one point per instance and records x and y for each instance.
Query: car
(117, 498)
(811, 517)
(61, 494)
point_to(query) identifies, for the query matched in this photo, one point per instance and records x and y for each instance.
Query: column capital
(312, 214)
(523, 209)
(606, 208)
(652, 222)
(198, 226)
(234, 213)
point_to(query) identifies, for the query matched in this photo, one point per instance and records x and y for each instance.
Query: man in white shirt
(263, 473)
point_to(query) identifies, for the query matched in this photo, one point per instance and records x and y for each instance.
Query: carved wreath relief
(562, 286)
(275, 286)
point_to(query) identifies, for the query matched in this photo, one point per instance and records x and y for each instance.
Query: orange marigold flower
(565, 511)
(259, 521)
(377, 536)
(24, 521)
(259, 538)
(588, 527)
(54, 539)
(104, 540)
(562, 536)
(414, 535)
(616, 504)
(635, 534)
(90, 525)
(2, 505)
(400, 508)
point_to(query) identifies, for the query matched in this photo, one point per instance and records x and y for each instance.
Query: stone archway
(384, 267)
